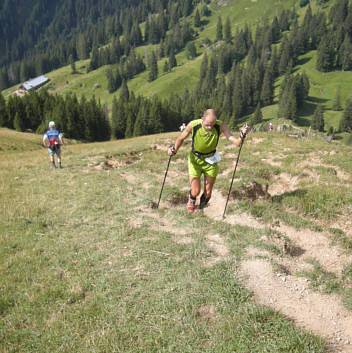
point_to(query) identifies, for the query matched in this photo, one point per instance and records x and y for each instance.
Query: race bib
(215, 158)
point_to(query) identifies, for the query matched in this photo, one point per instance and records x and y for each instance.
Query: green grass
(87, 265)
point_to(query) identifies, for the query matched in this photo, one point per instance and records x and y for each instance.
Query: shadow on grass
(303, 61)
(300, 193)
(308, 109)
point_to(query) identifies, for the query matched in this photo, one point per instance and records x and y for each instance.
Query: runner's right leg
(193, 193)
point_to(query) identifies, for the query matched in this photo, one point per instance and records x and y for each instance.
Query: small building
(35, 83)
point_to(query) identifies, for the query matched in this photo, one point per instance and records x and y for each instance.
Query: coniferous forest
(236, 76)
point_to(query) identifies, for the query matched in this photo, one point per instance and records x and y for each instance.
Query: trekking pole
(233, 176)
(162, 187)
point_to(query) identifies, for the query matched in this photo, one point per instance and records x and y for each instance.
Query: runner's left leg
(208, 188)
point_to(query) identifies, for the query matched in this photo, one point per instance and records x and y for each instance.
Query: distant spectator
(182, 127)
(271, 127)
(53, 140)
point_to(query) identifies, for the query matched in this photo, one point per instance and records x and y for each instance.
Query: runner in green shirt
(203, 159)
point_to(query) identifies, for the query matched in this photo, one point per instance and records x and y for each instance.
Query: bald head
(209, 119)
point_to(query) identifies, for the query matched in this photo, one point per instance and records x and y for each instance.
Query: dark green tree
(3, 112)
(205, 11)
(219, 33)
(267, 92)
(153, 73)
(318, 119)
(94, 61)
(345, 54)
(227, 32)
(124, 92)
(197, 21)
(111, 81)
(73, 65)
(172, 59)
(257, 117)
(191, 51)
(337, 101)
(118, 119)
(166, 66)
(18, 122)
(325, 55)
(346, 120)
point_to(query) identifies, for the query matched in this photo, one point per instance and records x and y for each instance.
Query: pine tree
(228, 34)
(166, 66)
(118, 119)
(219, 34)
(18, 122)
(82, 47)
(237, 98)
(3, 113)
(4, 79)
(124, 92)
(140, 125)
(73, 65)
(94, 61)
(325, 55)
(267, 92)
(153, 73)
(257, 117)
(318, 119)
(191, 51)
(172, 59)
(345, 54)
(346, 120)
(337, 101)
(203, 71)
(292, 104)
(197, 22)
(156, 117)
(111, 81)
(285, 56)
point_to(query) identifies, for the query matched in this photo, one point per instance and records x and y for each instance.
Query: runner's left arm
(236, 141)
(61, 139)
(45, 138)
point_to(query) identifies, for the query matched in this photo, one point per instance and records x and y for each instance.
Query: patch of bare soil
(179, 199)
(317, 246)
(344, 222)
(315, 161)
(251, 191)
(256, 140)
(219, 249)
(208, 313)
(273, 160)
(130, 178)
(284, 182)
(322, 314)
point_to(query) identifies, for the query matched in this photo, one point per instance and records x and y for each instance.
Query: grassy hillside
(323, 85)
(13, 141)
(87, 264)
(240, 12)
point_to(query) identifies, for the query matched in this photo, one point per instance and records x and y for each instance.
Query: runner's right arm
(45, 138)
(180, 140)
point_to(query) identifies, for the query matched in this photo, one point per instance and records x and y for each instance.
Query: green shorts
(198, 166)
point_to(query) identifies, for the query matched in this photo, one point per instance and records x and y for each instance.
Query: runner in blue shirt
(53, 140)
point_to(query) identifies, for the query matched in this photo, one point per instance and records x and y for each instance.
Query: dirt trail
(321, 314)
(324, 315)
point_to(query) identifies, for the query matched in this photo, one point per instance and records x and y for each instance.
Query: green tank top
(205, 142)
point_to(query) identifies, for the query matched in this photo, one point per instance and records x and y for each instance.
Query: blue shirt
(53, 136)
